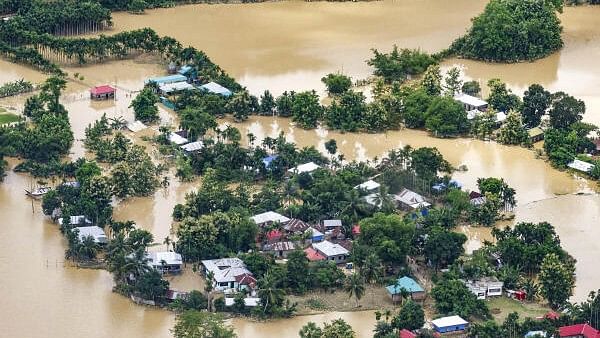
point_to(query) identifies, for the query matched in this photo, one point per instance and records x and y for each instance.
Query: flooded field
(282, 46)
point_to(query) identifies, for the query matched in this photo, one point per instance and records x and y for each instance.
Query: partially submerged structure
(304, 168)
(96, 232)
(104, 92)
(407, 284)
(165, 262)
(449, 324)
(229, 274)
(581, 166)
(410, 200)
(215, 88)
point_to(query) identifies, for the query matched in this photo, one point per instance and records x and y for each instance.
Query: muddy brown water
(283, 46)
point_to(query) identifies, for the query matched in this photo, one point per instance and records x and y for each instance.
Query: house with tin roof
(407, 284)
(331, 251)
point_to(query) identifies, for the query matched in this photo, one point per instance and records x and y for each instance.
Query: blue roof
(167, 79)
(267, 160)
(216, 88)
(184, 70)
(405, 283)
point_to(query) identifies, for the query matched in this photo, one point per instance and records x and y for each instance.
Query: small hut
(104, 92)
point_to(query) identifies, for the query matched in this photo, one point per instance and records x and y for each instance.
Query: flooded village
(50, 295)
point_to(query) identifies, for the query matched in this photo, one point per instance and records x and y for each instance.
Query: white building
(177, 139)
(192, 147)
(368, 186)
(94, 231)
(165, 262)
(168, 88)
(471, 102)
(411, 200)
(229, 274)
(485, 287)
(269, 217)
(76, 220)
(581, 166)
(332, 252)
(304, 168)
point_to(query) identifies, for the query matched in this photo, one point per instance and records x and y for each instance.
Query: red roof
(313, 255)
(407, 334)
(584, 330)
(273, 235)
(100, 90)
(356, 229)
(552, 315)
(245, 279)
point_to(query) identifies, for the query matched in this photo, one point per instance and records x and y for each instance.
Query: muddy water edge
(48, 297)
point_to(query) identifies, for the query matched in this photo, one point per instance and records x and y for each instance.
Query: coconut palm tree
(167, 241)
(355, 286)
(88, 249)
(383, 200)
(269, 293)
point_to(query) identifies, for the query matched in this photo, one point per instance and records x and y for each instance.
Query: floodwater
(287, 46)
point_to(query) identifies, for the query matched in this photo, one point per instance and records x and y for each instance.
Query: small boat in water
(38, 192)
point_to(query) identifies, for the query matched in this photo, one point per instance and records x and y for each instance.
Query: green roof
(405, 283)
(535, 132)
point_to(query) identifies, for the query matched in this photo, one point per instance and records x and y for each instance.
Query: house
(165, 262)
(173, 295)
(315, 235)
(248, 301)
(485, 287)
(471, 102)
(94, 231)
(188, 71)
(518, 295)
(330, 224)
(313, 255)
(177, 139)
(578, 331)
(442, 186)
(368, 186)
(535, 134)
(279, 249)
(304, 168)
(192, 147)
(175, 87)
(332, 252)
(449, 324)
(268, 160)
(215, 88)
(296, 226)
(581, 166)
(229, 274)
(268, 218)
(104, 92)
(477, 201)
(538, 333)
(404, 333)
(76, 220)
(161, 80)
(415, 290)
(411, 200)
(273, 236)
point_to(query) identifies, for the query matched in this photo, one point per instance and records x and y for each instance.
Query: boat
(38, 192)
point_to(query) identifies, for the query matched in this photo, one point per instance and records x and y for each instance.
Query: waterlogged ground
(282, 46)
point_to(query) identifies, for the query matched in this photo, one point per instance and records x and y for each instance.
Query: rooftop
(330, 249)
(533, 132)
(470, 100)
(577, 330)
(449, 321)
(368, 185)
(101, 90)
(332, 223)
(406, 283)
(269, 216)
(313, 255)
(581, 166)
(296, 225)
(304, 168)
(178, 140)
(216, 88)
(193, 146)
(175, 87)
(226, 269)
(281, 246)
(96, 232)
(411, 198)
(167, 79)
(169, 257)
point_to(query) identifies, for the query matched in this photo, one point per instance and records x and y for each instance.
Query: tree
(513, 131)
(471, 88)
(513, 30)
(565, 111)
(336, 83)
(144, 106)
(535, 103)
(297, 270)
(371, 269)
(271, 296)
(501, 98)
(398, 65)
(557, 280)
(355, 286)
(151, 286)
(196, 122)
(427, 162)
(446, 117)
(137, 6)
(443, 247)
(310, 330)
(389, 236)
(483, 124)
(452, 296)
(346, 112)
(432, 80)
(306, 109)
(410, 317)
(196, 324)
(338, 329)
(415, 104)
(267, 104)
(331, 147)
(452, 82)
(240, 105)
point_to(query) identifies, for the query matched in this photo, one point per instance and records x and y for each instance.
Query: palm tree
(268, 292)
(355, 207)
(371, 270)
(167, 241)
(88, 248)
(208, 288)
(355, 286)
(383, 200)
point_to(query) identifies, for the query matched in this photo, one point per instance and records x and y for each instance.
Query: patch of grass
(315, 304)
(7, 117)
(502, 306)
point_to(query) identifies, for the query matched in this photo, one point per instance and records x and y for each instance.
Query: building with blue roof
(162, 80)
(215, 88)
(267, 160)
(415, 290)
